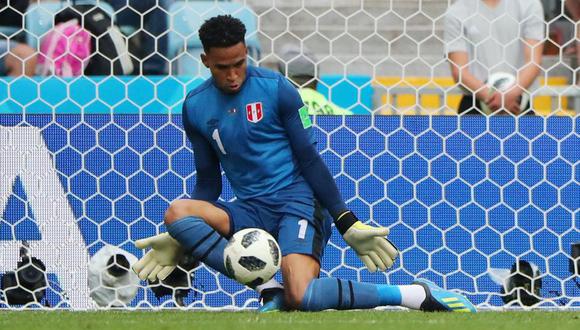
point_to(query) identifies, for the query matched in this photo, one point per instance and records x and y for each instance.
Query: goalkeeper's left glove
(370, 243)
(161, 260)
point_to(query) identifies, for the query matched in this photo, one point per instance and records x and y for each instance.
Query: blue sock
(332, 293)
(201, 240)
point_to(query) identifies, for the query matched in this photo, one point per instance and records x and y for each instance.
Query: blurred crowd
(135, 42)
(142, 22)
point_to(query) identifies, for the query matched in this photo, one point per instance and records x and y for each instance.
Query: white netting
(90, 163)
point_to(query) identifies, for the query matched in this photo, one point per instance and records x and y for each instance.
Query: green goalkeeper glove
(370, 243)
(161, 260)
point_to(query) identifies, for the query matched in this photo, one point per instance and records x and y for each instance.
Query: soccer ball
(252, 256)
(502, 81)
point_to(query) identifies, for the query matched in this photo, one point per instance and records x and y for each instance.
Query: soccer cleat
(272, 300)
(440, 300)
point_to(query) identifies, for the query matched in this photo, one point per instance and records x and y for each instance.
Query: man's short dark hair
(221, 31)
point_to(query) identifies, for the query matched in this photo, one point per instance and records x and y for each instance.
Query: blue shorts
(291, 215)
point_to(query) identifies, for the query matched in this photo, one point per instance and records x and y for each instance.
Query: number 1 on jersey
(216, 136)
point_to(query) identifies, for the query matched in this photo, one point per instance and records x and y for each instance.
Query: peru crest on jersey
(254, 112)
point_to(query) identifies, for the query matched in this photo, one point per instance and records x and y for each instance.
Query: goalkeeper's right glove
(161, 260)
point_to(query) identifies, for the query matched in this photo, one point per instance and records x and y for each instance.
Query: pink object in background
(65, 50)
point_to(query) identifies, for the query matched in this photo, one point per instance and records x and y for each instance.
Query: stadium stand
(440, 96)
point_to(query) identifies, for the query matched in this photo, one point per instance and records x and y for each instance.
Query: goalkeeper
(253, 122)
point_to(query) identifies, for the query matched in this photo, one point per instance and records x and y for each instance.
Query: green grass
(355, 320)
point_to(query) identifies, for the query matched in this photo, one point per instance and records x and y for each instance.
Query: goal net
(88, 164)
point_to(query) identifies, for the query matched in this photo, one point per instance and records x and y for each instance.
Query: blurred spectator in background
(145, 21)
(300, 68)
(562, 17)
(573, 7)
(488, 36)
(12, 16)
(16, 59)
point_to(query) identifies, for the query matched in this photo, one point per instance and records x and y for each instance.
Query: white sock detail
(412, 296)
(269, 285)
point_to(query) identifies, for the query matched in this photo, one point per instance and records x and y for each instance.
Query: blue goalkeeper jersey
(260, 135)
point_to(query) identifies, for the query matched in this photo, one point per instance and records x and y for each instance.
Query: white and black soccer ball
(252, 256)
(111, 281)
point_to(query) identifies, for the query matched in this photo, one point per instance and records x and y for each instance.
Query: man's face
(227, 66)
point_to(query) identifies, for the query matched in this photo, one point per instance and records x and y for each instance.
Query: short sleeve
(453, 34)
(532, 24)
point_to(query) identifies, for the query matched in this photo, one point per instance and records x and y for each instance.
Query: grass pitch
(353, 320)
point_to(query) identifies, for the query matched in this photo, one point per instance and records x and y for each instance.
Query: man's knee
(180, 209)
(217, 218)
(298, 270)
